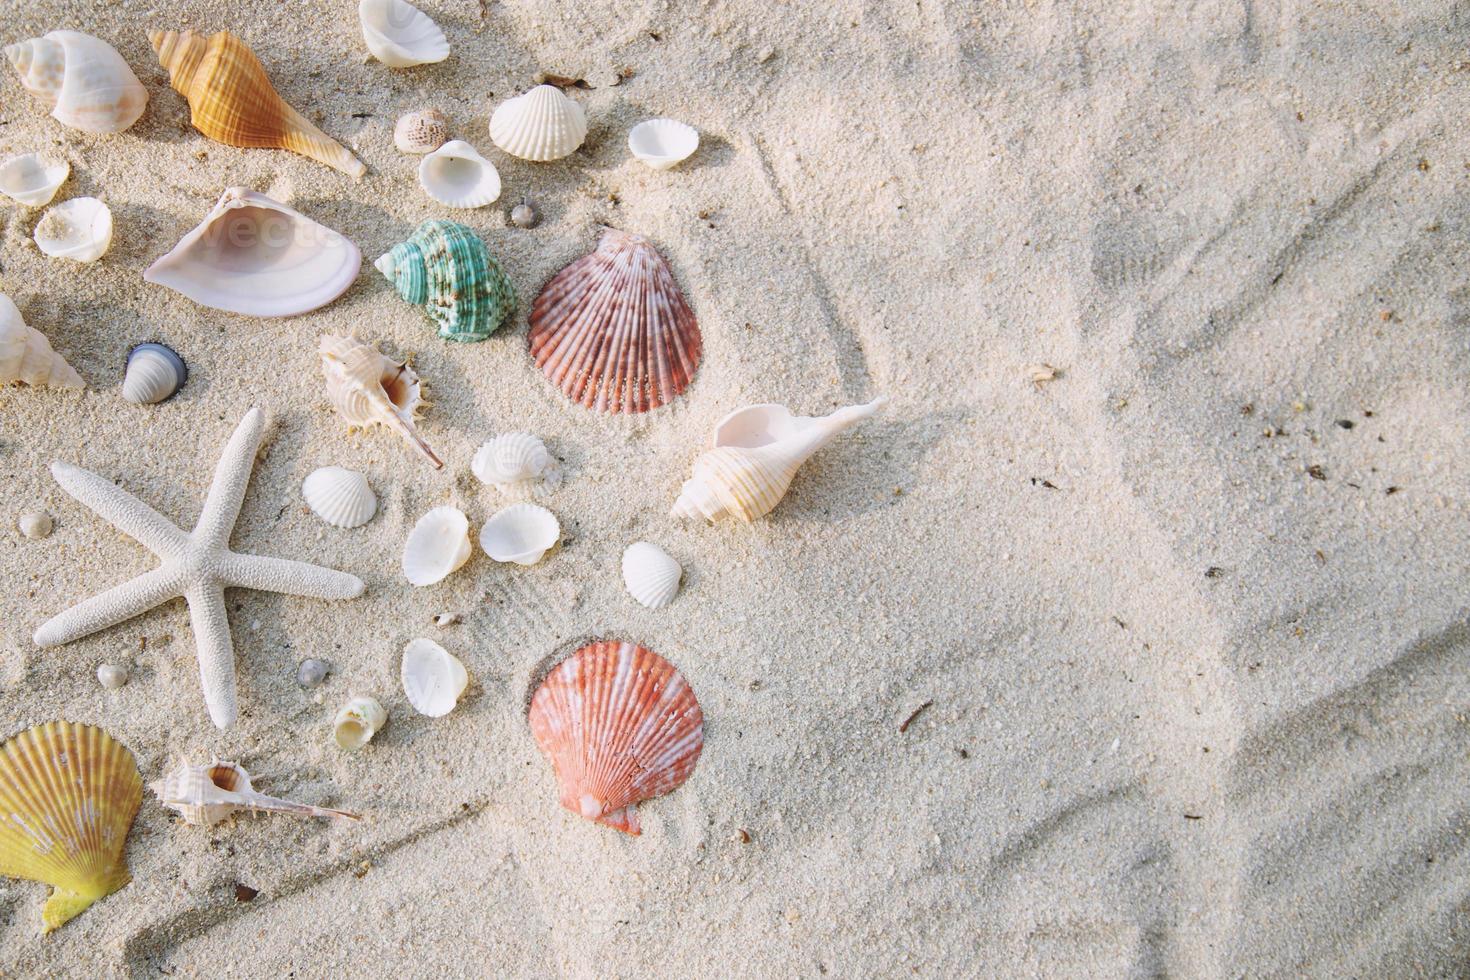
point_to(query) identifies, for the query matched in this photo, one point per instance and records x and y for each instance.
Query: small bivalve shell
(421, 132)
(79, 229)
(651, 575)
(543, 124)
(35, 524)
(341, 497)
(514, 462)
(83, 79)
(357, 723)
(521, 533)
(662, 143)
(401, 35)
(32, 179)
(205, 795)
(154, 373)
(433, 678)
(457, 176)
(112, 676)
(438, 544)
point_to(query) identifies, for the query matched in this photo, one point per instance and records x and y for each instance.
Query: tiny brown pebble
(755, 685)
(1247, 408)
(1316, 472)
(244, 893)
(362, 869)
(742, 835)
(1391, 491)
(1345, 423)
(1214, 571)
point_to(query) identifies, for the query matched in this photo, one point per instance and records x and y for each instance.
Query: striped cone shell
(613, 331)
(620, 725)
(447, 270)
(68, 795)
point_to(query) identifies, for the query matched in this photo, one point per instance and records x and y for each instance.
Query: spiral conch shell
(445, 268)
(367, 388)
(206, 795)
(231, 98)
(84, 80)
(26, 355)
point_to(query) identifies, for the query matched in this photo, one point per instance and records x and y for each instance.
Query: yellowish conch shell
(370, 389)
(757, 450)
(68, 795)
(205, 795)
(232, 100)
(26, 355)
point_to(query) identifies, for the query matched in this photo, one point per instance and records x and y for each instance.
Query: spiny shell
(401, 35)
(421, 132)
(154, 373)
(231, 98)
(543, 124)
(433, 678)
(339, 496)
(79, 229)
(32, 179)
(438, 544)
(613, 331)
(446, 269)
(620, 725)
(651, 575)
(68, 794)
(205, 795)
(26, 355)
(84, 80)
(358, 721)
(513, 462)
(521, 533)
(367, 388)
(457, 176)
(661, 143)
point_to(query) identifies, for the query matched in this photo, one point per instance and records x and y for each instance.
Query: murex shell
(521, 533)
(651, 575)
(26, 356)
(359, 720)
(368, 388)
(32, 179)
(543, 124)
(421, 132)
(438, 544)
(401, 35)
(613, 331)
(79, 229)
(341, 497)
(513, 462)
(457, 176)
(68, 795)
(84, 80)
(206, 795)
(446, 269)
(433, 678)
(154, 373)
(620, 725)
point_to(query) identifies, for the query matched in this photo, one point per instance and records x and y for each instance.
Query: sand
(1189, 618)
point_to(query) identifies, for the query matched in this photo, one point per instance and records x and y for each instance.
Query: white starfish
(197, 565)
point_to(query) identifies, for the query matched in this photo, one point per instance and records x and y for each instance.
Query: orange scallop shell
(620, 725)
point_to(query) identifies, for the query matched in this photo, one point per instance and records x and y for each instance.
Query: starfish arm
(122, 510)
(105, 609)
(216, 652)
(231, 476)
(290, 577)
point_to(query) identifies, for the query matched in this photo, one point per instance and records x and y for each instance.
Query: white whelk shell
(79, 229)
(421, 132)
(433, 678)
(651, 575)
(154, 373)
(457, 176)
(661, 143)
(205, 795)
(521, 533)
(341, 497)
(33, 179)
(513, 462)
(83, 79)
(357, 723)
(543, 124)
(438, 544)
(401, 35)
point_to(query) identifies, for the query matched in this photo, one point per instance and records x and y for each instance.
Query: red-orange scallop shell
(620, 725)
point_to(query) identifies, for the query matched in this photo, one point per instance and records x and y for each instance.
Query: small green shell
(447, 270)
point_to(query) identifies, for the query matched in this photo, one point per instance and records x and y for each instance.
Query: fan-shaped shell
(26, 355)
(154, 373)
(79, 229)
(401, 35)
(438, 544)
(613, 331)
(68, 795)
(421, 132)
(513, 462)
(446, 269)
(433, 678)
(341, 497)
(543, 124)
(651, 575)
(662, 143)
(206, 795)
(457, 176)
(367, 389)
(521, 533)
(32, 179)
(359, 720)
(231, 98)
(83, 79)
(256, 256)
(620, 725)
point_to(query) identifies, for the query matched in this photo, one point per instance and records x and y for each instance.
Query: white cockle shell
(438, 544)
(543, 124)
(401, 35)
(359, 720)
(514, 462)
(79, 229)
(32, 179)
(433, 678)
(205, 795)
(662, 143)
(651, 575)
(83, 79)
(341, 497)
(457, 176)
(521, 533)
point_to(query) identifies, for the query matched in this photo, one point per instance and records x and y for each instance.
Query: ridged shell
(26, 355)
(613, 331)
(521, 533)
(446, 269)
(359, 720)
(620, 725)
(68, 795)
(543, 124)
(206, 795)
(438, 544)
(401, 35)
(421, 132)
(256, 256)
(339, 496)
(457, 176)
(32, 179)
(651, 575)
(83, 79)
(79, 229)
(662, 143)
(433, 678)
(231, 98)
(514, 462)
(367, 389)
(154, 373)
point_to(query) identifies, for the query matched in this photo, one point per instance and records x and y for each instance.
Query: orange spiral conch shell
(620, 725)
(232, 100)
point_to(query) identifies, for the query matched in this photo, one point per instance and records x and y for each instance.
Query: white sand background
(1232, 227)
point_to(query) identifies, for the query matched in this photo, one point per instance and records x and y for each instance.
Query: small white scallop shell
(433, 678)
(521, 533)
(339, 496)
(33, 179)
(79, 229)
(401, 35)
(154, 373)
(513, 462)
(651, 575)
(661, 143)
(457, 176)
(543, 124)
(357, 723)
(421, 132)
(438, 544)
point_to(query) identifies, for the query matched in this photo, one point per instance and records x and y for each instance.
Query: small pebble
(244, 893)
(111, 676)
(446, 619)
(35, 524)
(312, 672)
(524, 216)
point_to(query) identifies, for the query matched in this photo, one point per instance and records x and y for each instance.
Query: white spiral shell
(339, 496)
(84, 80)
(154, 373)
(543, 124)
(438, 544)
(26, 355)
(359, 720)
(651, 575)
(433, 678)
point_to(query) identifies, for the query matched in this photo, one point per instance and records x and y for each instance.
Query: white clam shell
(33, 179)
(543, 124)
(457, 176)
(514, 461)
(651, 575)
(79, 229)
(438, 544)
(433, 678)
(341, 497)
(421, 132)
(83, 79)
(357, 723)
(154, 373)
(401, 35)
(661, 143)
(521, 533)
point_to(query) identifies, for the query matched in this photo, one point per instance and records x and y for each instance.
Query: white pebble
(111, 676)
(35, 524)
